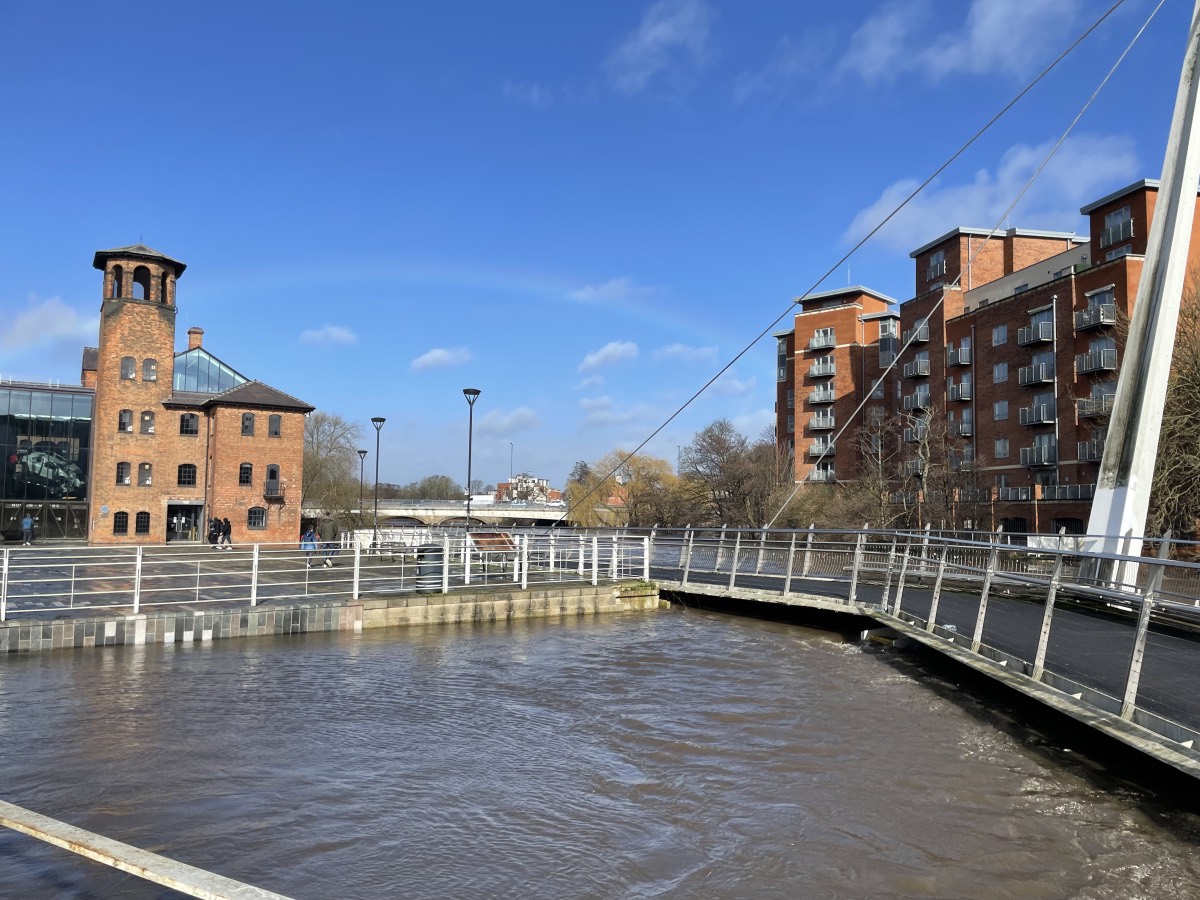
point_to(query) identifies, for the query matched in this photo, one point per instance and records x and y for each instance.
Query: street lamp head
(362, 454)
(378, 422)
(472, 394)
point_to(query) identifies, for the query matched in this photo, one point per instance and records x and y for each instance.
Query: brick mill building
(180, 437)
(996, 409)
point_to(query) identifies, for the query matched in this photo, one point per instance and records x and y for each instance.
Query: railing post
(357, 568)
(858, 550)
(885, 599)
(254, 576)
(524, 539)
(1129, 703)
(989, 573)
(1039, 658)
(720, 549)
(582, 554)
(808, 542)
(466, 554)
(137, 580)
(762, 545)
(595, 560)
(903, 572)
(787, 578)
(612, 563)
(937, 589)
(445, 564)
(552, 567)
(646, 543)
(737, 549)
(925, 551)
(4, 584)
(687, 558)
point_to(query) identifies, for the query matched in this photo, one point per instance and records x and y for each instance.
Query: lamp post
(362, 458)
(472, 394)
(510, 456)
(378, 423)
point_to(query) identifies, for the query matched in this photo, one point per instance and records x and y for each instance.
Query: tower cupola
(140, 273)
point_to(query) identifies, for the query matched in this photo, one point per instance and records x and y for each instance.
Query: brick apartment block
(1014, 354)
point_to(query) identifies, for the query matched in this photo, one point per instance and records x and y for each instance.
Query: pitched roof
(255, 393)
(136, 251)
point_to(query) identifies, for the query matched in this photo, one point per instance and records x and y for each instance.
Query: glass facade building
(45, 445)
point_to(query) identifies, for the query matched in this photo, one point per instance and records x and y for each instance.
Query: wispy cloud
(499, 422)
(45, 323)
(997, 37)
(729, 385)
(684, 353)
(590, 381)
(595, 404)
(791, 62)
(440, 357)
(536, 95)
(613, 289)
(612, 352)
(1084, 168)
(601, 412)
(671, 44)
(328, 334)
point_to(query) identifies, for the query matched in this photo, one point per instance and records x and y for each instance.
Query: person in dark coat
(328, 532)
(226, 532)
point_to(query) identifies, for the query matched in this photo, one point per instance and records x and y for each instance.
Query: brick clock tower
(168, 451)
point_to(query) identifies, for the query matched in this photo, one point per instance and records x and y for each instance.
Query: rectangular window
(248, 424)
(937, 265)
(1000, 410)
(999, 335)
(274, 426)
(1001, 451)
(1123, 250)
(142, 523)
(128, 368)
(189, 423)
(999, 372)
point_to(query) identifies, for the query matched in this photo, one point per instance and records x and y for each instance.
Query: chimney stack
(195, 337)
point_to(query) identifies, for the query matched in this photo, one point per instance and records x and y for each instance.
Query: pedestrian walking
(308, 543)
(328, 532)
(226, 532)
(27, 530)
(214, 532)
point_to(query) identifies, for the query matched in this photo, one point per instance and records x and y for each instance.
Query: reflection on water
(674, 754)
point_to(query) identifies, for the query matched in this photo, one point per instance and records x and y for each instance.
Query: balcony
(935, 270)
(1114, 234)
(915, 435)
(1090, 407)
(974, 495)
(1038, 414)
(1096, 361)
(959, 357)
(962, 463)
(1041, 333)
(962, 429)
(916, 369)
(821, 423)
(1096, 316)
(273, 490)
(822, 448)
(1042, 373)
(1039, 456)
(822, 342)
(916, 401)
(822, 395)
(1015, 493)
(960, 391)
(822, 369)
(1068, 491)
(918, 334)
(1090, 451)
(913, 468)
(824, 476)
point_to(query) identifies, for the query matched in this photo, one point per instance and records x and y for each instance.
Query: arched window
(121, 523)
(141, 283)
(248, 423)
(274, 426)
(271, 488)
(128, 368)
(149, 370)
(144, 471)
(246, 474)
(125, 421)
(117, 286)
(163, 285)
(189, 423)
(123, 472)
(256, 517)
(187, 475)
(142, 523)
(147, 422)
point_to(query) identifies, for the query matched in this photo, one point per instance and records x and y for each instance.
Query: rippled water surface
(674, 754)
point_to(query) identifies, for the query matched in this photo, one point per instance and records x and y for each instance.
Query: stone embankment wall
(185, 627)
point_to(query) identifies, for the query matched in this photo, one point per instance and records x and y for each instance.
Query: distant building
(1012, 371)
(154, 442)
(527, 487)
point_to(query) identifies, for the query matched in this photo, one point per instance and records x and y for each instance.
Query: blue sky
(582, 209)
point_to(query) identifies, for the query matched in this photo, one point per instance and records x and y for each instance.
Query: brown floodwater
(673, 754)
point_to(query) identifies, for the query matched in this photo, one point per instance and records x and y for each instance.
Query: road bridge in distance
(454, 512)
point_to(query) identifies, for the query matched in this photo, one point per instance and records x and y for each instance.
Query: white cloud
(729, 385)
(594, 404)
(1006, 37)
(684, 353)
(614, 351)
(440, 357)
(1084, 168)
(669, 43)
(791, 61)
(499, 422)
(613, 289)
(606, 415)
(46, 323)
(590, 382)
(535, 95)
(328, 334)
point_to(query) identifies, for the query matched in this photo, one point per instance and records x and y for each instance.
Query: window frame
(246, 475)
(186, 468)
(190, 418)
(247, 424)
(256, 518)
(128, 470)
(121, 522)
(149, 369)
(274, 425)
(141, 522)
(145, 474)
(146, 422)
(125, 421)
(128, 368)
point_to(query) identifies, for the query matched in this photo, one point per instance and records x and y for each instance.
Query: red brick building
(1009, 353)
(180, 437)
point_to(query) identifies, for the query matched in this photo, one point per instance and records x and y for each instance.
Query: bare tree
(331, 463)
